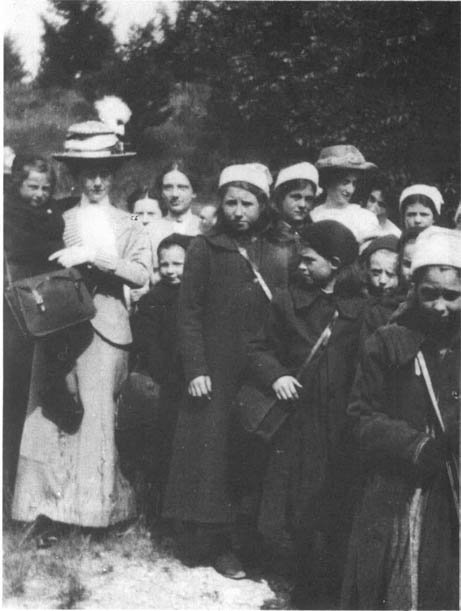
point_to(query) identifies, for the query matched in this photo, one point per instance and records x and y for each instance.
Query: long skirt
(76, 478)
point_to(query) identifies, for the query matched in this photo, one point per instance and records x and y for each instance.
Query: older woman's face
(96, 182)
(439, 294)
(342, 190)
(240, 208)
(177, 192)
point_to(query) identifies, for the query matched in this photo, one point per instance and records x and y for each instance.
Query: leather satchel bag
(49, 302)
(260, 412)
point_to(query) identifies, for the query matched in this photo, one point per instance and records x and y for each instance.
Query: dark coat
(155, 339)
(219, 298)
(303, 485)
(155, 348)
(391, 410)
(378, 312)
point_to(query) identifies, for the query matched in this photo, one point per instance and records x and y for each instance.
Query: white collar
(179, 219)
(85, 202)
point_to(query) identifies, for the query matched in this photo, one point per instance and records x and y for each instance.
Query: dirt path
(122, 572)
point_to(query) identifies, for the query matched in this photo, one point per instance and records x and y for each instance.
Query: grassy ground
(124, 570)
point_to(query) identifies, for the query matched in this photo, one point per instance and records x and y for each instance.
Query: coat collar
(348, 307)
(226, 242)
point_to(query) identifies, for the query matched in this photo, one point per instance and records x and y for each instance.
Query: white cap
(299, 171)
(431, 192)
(254, 173)
(437, 246)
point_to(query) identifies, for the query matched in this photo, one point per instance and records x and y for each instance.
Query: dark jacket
(155, 339)
(219, 297)
(312, 446)
(378, 312)
(391, 411)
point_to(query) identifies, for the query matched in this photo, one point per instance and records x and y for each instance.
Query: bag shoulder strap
(256, 273)
(322, 342)
(421, 361)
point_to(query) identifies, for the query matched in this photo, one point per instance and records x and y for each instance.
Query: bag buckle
(38, 300)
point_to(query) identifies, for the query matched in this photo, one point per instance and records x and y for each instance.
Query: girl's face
(207, 218)
(177, 192)
(297, 204)
(35, 190)
(342, 190)
(439, 294)
(382, 272)
(240, 208)
(147, 210)
(376, 204)
(405, 263)
(171, 264)
(418, 215)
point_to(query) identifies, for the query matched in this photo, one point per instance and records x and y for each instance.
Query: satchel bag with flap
(260, 412)
(49, 302)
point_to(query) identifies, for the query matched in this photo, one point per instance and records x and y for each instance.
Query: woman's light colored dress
(76, 478)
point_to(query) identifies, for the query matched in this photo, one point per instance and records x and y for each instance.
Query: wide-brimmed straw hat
(343, 156)
(92, 141)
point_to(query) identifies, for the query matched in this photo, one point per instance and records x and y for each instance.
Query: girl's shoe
(230, 566)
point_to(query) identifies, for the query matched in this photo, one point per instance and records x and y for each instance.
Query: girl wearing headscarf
(420, 206)
(220, 295)
(404, 547)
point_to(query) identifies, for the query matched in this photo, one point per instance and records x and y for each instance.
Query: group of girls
(241, 295)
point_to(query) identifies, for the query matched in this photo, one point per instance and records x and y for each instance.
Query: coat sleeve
(264, 348)
(378, 432)
(191, 311)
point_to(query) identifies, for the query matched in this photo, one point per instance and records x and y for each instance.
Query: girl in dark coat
(404, 545)
(310, 472)
(219, 296)
(33, 229)
(155, 344)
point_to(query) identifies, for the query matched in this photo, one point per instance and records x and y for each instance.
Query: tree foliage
(290, 77)
(13, 67)
(78, 44)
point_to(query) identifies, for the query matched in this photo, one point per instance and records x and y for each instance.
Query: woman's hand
(73, 255)
(200, 387)
(286, 387)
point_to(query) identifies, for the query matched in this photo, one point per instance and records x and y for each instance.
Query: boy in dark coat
(309, 477)
(155, 340)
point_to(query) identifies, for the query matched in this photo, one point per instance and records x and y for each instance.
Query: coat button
(455, 394)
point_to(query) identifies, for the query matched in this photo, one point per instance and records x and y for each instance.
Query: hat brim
(334, 165)
(92, 156)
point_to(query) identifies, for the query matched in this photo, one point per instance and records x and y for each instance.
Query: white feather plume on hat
(113, 112)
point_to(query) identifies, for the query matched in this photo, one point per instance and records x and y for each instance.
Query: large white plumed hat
(113, 112)
(299, 171)
(437, 246)
(431, 192)
(255, 174)
(92, 140)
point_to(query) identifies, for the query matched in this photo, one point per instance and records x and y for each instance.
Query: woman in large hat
(340, 168)
(75, 478)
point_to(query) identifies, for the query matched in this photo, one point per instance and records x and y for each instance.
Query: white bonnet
(299, 171)
(437, 246)
(431, 192)
(254, 173)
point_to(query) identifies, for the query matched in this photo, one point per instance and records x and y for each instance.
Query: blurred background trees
(275, 81)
